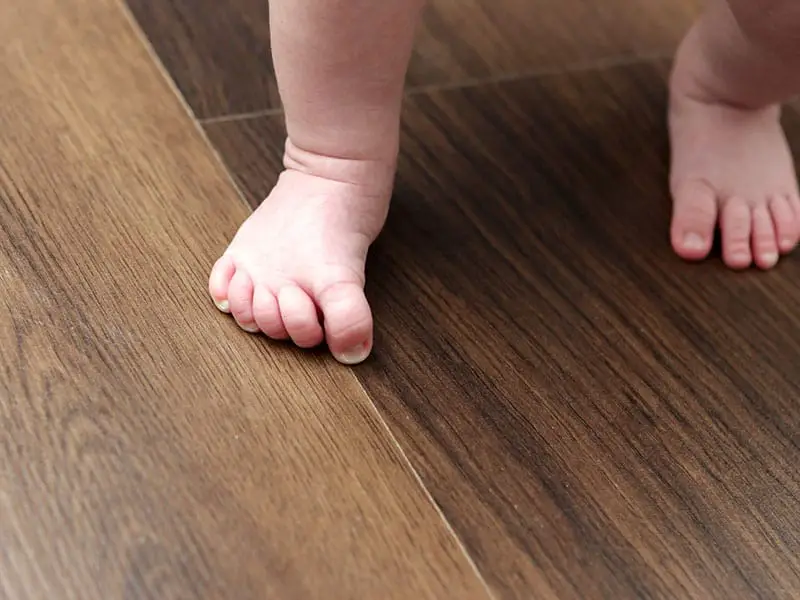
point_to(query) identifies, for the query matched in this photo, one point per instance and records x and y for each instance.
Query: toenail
(769, 258)
(741, 258)
(693, 241)
(355, 355)
(223, 305)
(252, 328)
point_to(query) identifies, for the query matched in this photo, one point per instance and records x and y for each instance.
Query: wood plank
(596, 418)
(148, 449)
(464, 40)
(218, 52)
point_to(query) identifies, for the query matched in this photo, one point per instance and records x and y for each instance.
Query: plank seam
(572, 68)
(133, 23)
(198, 123)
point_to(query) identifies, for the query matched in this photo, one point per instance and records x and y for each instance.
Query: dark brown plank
(218, 52)
(595, 417)
(148, 449)
(464, 40)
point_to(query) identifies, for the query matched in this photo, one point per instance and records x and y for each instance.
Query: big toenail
(692, 241)
(223, 305)
(355, 355)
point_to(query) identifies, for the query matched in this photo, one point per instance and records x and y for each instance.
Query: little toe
(348, 322)
(299, 314)
(218, 282)
(240, 297)
(765, 245)
(784, 222)
(736, 223)
(694, 216)
(267, 313)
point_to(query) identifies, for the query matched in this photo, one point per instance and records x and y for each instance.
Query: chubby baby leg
(731, 164)
(295, 269)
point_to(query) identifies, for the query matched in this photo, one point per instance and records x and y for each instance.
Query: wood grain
(596, 418)
(218, 52)
(464, 40)
(148, 449)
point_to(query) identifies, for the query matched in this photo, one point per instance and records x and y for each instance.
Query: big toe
(220, 280)
(348, 322)
(694, 216)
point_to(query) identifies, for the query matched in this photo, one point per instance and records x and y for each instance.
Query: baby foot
(295, 269)
(730, 166)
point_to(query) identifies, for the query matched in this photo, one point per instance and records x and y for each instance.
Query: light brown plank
(596, 418)
(218, 52)
(147, 448)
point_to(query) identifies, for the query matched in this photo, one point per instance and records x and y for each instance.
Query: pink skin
(295, 269)
(731, 164)
(292, 264)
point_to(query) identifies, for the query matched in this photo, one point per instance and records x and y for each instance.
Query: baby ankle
(372, 173)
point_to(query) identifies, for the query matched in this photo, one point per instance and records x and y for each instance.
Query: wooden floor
(557, 407)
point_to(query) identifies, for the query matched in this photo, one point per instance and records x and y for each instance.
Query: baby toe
(765, 245)
(736, 223)
(348, 322)
(267, 313)
(694, 216)
(240, 297)
(784, 222)
(219, 281)
(299, 314)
